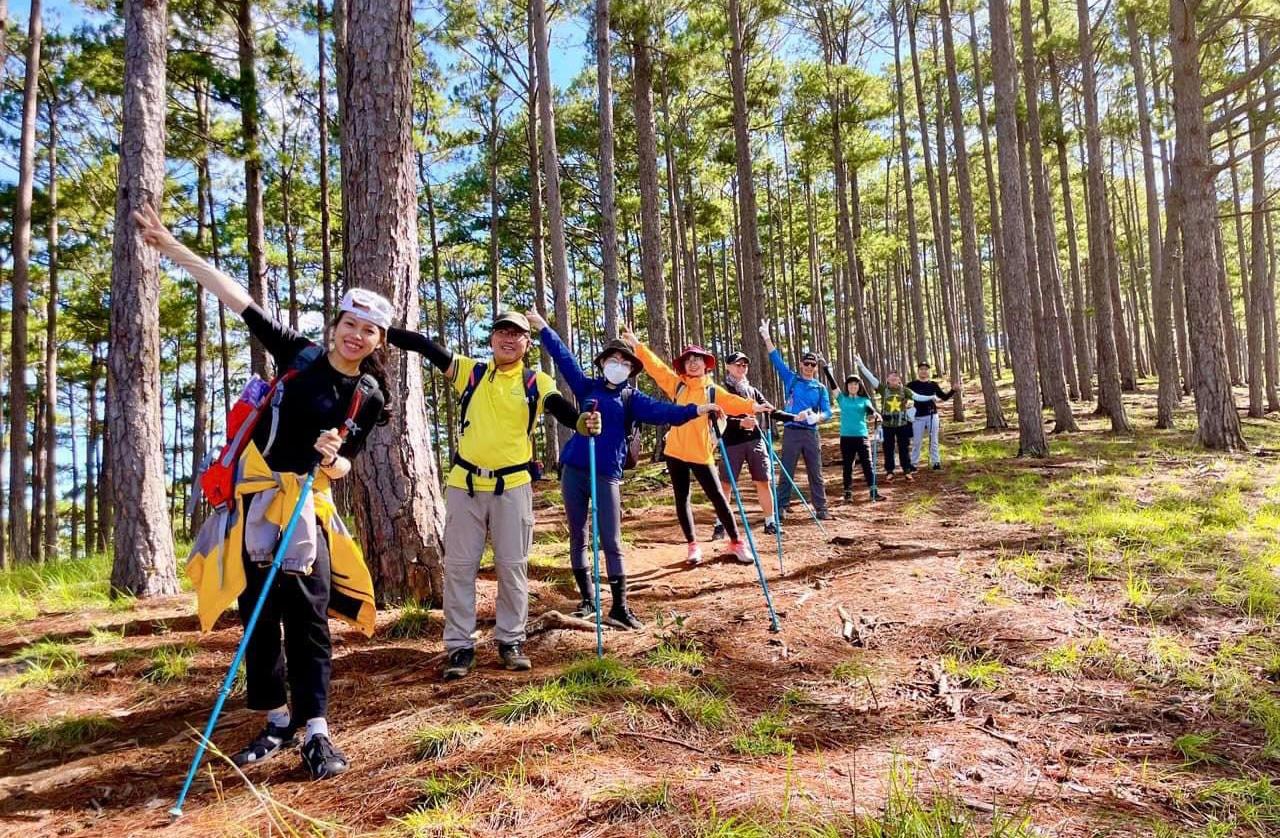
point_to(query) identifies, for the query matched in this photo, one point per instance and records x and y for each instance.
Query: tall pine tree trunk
(396, 496)
(608, 199)
(750, 253)
(255, 223)
(322, 131)
(1022, 350)
(655, 290)
(51, 352)
(19, 532)
(1219, 424)
(144, 562)
(969, 232)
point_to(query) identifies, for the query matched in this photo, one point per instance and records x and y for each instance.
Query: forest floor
(1080, 646)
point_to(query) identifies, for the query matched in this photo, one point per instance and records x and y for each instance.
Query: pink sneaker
(695, 553)
(740, 552)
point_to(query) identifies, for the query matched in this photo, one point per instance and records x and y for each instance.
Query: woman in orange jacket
(689, 449)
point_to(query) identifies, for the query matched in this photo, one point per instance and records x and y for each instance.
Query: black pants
(852, 447)
(710, 483)
(901, 438)
(300, 604)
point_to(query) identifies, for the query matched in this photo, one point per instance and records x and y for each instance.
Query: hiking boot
(876, 495)
(718, 532)
(321, 759)
(770, 528)
(513, 657)
(848, 495)
(937, 466)
(823, 515)
(620, 615)
(587, 607)
(271, 741)
(461, 661)
(695, 553)
(740, 552)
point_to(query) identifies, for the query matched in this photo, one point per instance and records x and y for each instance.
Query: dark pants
(301, 604)
(798, 444)
(710, 483)
(575, 488)
(899, 437)
(852, 447)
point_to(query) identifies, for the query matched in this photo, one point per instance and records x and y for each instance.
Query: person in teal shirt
(855, 406)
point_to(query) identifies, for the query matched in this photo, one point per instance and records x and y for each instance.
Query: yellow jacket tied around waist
(216, 564)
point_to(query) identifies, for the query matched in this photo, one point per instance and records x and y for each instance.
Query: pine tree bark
(1219, 424)
(969, 231)
(1260, 383)
(1271, 341)
(144, 563)
(255, 224)
(915, 275)
(608, 198)
(322, 131)
(751, 253)
(1031, 439)
(551, 448)
(19, 529)
(1052, 376)
(92, 434)
(51, 350)
(396, 496)
(1109, 384)
(200, 419)
(946, 277)
(655, 290)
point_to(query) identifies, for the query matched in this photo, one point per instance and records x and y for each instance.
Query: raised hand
(629, 338)
(152, 229)
(535, 321)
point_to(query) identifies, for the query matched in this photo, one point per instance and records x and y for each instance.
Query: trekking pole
(207, 736)
(799, 493)
(773, 489)
(595, 533)
(751, 540)
(875, 434)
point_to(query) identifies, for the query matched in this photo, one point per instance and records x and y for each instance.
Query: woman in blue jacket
(621, 407)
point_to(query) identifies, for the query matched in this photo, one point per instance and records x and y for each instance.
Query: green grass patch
(441, 790)
(767, 737)
(678, 656)
(1252, 803)
(850, 672)
(169, 664)
(434, 741)
(46, 663)
(1196, 748)
(632, 802)
(1076, 657)
(583, 681)
(981, 673)
(68, 732)
(434, 822)
(414, 621)
(63, 586)
(695, 705)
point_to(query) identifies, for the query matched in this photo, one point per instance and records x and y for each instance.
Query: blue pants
(575, 488)
(797, 444)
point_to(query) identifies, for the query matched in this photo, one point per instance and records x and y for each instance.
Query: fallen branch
(551, 620)
(651, 736)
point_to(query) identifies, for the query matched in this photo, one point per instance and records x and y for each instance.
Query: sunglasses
(741, 363)
(808, 363)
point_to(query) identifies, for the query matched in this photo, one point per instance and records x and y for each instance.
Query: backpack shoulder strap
(305, 358)
(531, 397)
(308, 356)
(473, 380)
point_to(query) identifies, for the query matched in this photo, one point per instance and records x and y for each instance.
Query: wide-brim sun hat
(693, 349)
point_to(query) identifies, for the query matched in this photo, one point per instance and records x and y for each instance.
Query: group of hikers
(326, 399)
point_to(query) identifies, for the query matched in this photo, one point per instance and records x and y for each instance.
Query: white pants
(921, 427)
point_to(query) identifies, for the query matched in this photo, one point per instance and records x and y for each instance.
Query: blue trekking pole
(356, 401)
(773, 489)
(751, 540)
(595, 533)
(799, 493)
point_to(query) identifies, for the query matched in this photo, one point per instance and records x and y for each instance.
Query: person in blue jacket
(621, 407)
(807, 398)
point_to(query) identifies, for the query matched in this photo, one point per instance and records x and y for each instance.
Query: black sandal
(265, 745)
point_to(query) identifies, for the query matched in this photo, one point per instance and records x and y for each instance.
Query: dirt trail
(913, 573)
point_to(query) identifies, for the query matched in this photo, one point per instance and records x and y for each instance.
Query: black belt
(498, 474)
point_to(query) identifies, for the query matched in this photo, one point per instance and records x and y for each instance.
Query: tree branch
(1246, 78)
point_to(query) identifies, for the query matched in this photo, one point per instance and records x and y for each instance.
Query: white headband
(367, 305)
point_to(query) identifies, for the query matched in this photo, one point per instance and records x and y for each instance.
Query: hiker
(324, 573)
(808, 400)
(621, 407)
(855, 407)
(896, 400)
(489, 490)
(927, 420)
(743, 442)
(689, 450)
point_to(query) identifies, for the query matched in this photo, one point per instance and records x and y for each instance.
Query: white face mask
(617, 371)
